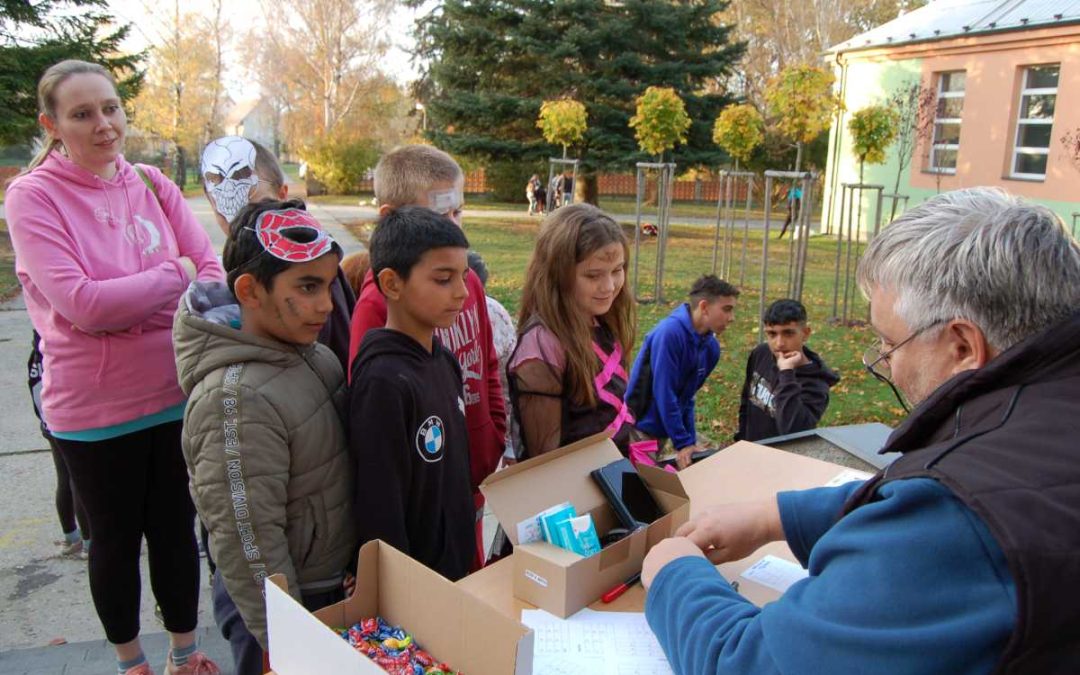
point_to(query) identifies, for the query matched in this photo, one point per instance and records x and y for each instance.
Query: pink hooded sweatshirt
(98, 263)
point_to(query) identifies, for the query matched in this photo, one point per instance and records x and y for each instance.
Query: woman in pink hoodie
(104, 250)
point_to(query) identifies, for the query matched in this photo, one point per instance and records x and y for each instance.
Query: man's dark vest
(1005, 439)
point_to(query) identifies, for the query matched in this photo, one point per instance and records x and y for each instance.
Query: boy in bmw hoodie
(407, 429)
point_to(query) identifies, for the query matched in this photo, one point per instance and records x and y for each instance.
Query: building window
(950, 107)
(1034, 121)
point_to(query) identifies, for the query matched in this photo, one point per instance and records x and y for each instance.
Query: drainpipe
(837, 142)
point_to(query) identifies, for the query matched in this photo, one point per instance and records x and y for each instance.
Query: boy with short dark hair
(263, 434)
(787, 384)
(675, 359)
(421, 175)
(407, 425)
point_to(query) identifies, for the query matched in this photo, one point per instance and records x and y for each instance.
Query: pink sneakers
(141, 669)
(197, 664)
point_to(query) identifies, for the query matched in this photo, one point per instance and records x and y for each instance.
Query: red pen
(614, 593)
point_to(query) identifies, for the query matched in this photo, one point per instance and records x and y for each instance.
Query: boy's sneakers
(70, 549)
(196, 664)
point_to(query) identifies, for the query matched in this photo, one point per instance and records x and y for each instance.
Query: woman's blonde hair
(567, 237)
(56, 75)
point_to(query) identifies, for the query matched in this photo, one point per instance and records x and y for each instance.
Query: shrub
(340, 164)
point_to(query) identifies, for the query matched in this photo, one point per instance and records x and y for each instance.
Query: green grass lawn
(506, 246)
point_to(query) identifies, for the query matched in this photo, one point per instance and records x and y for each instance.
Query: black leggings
(69, 507)
(132, 486)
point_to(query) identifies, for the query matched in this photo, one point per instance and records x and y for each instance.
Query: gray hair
(979, 254)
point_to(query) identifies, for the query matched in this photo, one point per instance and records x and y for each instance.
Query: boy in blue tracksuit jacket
(674, 361)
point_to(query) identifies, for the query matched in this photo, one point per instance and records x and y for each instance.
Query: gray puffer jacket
(266, 453)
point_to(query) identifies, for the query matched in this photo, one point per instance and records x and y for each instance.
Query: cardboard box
(448, 622)
(743, 471)
(552, 578)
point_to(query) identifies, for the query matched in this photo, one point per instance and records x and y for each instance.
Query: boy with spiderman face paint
(263, 436)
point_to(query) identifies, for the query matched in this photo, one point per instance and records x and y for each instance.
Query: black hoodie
(410, 445)
(776, 402)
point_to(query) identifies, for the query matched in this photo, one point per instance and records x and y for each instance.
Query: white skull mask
(228, 169)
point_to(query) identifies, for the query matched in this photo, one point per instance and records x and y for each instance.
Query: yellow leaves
(873, 129)
(563, 122)
(738, 130)
(802, 98)
(661, 120)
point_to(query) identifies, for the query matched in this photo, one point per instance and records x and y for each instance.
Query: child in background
(355, 267)
(787, 385)
(675, 359)
(576, 328)
(263, 433)
(237, 171)
(504, 336)
(407, 421)
(73, 521)
(420, 175)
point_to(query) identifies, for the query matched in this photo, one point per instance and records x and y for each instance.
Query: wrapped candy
(392, 649)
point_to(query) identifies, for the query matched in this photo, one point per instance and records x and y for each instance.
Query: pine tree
(492, 63)
(34, 36)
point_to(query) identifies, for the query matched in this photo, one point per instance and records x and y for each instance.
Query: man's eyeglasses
(877, 362)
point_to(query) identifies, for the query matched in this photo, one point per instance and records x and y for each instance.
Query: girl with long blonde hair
(568, 374)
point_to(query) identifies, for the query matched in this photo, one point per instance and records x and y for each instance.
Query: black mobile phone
(627, 493)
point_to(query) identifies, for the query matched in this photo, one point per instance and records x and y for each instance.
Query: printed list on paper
(604, 643)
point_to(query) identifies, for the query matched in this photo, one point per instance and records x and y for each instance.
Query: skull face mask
(228, 169)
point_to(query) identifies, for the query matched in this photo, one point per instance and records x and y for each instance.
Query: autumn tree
(482, 101)
(35, 35)
(319, 59)
(182, 98)
(739, 130)
(873, 130)
(781, 33)
(562, 122)
(660, 121)
(802, 100)
(914, 105)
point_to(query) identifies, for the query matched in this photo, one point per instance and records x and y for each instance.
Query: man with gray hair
(963, 556)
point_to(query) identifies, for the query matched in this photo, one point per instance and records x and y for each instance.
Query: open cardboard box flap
(452, 625)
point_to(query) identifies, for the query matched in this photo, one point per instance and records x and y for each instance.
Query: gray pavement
(45, 597)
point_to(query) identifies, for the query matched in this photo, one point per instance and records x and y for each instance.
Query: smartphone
(627, 493)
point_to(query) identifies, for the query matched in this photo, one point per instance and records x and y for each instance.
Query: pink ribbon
(612, 366)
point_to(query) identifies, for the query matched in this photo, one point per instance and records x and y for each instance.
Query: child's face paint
(298, 306)
(599, 278)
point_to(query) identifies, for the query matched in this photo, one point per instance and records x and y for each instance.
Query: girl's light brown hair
(54, 76)
(568, 236)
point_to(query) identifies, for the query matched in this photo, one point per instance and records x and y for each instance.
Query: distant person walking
(103, 250)
(531, 188)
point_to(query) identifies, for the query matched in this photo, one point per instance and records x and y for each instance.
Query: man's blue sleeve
(808, 514)
(912, 583)
(666, 348)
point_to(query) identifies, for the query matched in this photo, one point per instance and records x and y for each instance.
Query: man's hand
(791, 360)
(663, 553)
(684, 457)
(734, 531)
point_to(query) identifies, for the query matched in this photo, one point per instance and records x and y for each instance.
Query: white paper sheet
(846, 476)
(776, 573)
(600, 643)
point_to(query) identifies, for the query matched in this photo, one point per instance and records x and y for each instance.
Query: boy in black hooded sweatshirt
(787, 385)
(407, 428)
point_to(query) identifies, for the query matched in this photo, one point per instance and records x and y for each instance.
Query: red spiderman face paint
(272, 230)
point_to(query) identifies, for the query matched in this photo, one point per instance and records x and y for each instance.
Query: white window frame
(934, 145)
(1029, 121)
